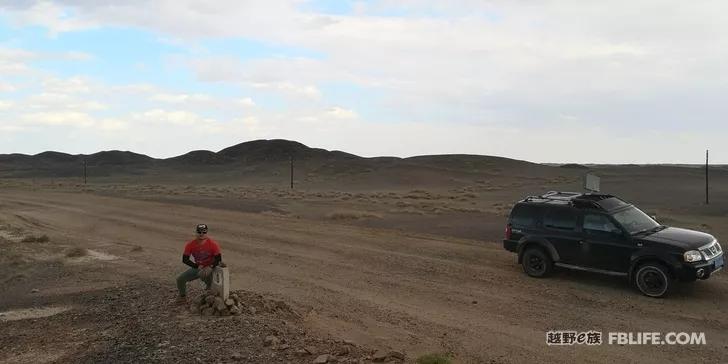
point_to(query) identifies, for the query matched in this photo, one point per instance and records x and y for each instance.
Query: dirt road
(410, 292)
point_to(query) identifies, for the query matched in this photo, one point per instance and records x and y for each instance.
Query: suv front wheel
(536, 263)
(653, 280)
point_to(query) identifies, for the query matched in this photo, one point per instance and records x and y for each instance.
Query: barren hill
(263, 160)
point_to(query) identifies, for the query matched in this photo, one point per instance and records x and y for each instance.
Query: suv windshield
(634, 220)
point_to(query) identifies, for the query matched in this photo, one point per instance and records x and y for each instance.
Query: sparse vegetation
(351, 215)
(434, 359)
(137, 249)
(36, 239)
(76, 252)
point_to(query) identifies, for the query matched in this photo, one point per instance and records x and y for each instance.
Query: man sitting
(207, 256)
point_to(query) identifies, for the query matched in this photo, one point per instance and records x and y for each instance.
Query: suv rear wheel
(536, 263)
(653, 280)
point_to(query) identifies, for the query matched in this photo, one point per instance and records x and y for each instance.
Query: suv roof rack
(576, 199)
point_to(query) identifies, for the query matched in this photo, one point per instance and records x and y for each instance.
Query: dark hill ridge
(264, 156)
(116, 157)
(199, 157)
(279, 150)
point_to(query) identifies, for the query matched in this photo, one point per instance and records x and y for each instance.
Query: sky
(617, 81)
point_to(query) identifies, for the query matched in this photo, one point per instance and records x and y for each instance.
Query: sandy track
(411, 292)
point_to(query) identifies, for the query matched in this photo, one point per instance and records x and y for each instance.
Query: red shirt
(204, 253)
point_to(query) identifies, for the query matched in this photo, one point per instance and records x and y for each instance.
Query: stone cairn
(209, 304)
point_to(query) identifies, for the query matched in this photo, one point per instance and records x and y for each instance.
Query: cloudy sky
(547, 81)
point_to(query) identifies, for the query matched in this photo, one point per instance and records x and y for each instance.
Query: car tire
(653, 280)
(536, 263)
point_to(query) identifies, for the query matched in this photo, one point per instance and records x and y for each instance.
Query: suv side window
(597, 224)
(524, 215)
(560, 219)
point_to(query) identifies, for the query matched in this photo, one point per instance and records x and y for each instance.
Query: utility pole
(707, 199)
(84, 172)
(291, 171)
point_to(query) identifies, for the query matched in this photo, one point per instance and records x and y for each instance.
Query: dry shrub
(434, 359)
(137, 249)
(76, 252)
(410, 211)
(351, 215)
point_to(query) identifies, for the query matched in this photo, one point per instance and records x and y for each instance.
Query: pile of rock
(209, 304)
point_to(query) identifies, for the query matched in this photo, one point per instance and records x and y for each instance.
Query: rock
(343, 351)
(235, 311)
(284, 347)
(252, 310)
(209, 311)
(271, 341)
(379, 356)
(322, 359)
(219, 304)
(199, 300)
(229, 302)
(35, 290)
(236, 356)
(225, 312)
(349, 342)
(311, 350)
(302, 352)
(396, 355)
(209, 299)
(194, 308)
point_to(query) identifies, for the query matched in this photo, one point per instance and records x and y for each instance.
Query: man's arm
(218, 259)
(186, 260)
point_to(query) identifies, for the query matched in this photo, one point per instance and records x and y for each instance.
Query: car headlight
(692, 256)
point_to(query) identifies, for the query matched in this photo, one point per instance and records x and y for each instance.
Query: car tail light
(509, 231)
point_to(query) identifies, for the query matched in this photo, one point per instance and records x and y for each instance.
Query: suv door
(561, 229)
(605, 246)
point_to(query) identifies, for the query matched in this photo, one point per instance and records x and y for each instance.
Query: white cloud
(73, 85)
(341, 113)
(52, 16)
(6, 87)
(5, 105)
(56, 118)
(180, 98)
(246, 102)
(13, 61)
(113, 125)
(307, 91)
(174, 117)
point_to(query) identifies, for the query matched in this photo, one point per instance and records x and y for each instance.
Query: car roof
(597, 201)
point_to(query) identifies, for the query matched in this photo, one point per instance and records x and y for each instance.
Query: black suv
(604, 234)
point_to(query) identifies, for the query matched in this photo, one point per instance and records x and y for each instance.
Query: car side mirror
(654, 217)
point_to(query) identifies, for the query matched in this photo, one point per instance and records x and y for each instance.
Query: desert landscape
(364, 260)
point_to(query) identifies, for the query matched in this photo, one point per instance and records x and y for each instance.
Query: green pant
(189, 276)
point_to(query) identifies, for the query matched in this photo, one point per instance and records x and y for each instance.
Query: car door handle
(639, 244)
